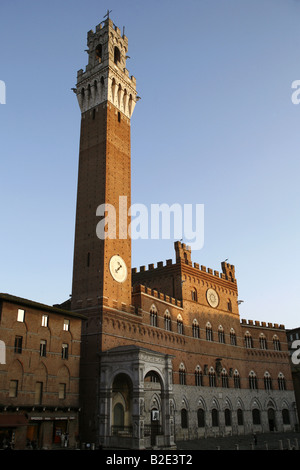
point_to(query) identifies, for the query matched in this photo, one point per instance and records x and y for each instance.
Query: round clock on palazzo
(212, 297)
(118, 269)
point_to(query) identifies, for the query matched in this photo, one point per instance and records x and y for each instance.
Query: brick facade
(39, 376)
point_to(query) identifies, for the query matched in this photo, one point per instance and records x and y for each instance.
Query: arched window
(248, 340)
(240, 417)
(118, 417)
(267, 381)
(285, 416)
(209, 332)
(198, 376)
(212, 377)
(276, 343)
(201, 418)
(117, 55)
(229, 305)
(232, 337)
(194, 294)
(262, 341)
(215, 417)
(182, 374)
(236, 379)
(252, 381)
(281, 382)
(167, 320)
(179, 325)
(98, 52)
(227, 417)
(221, 335)
(224, 378)
(195, 328)
(256, 416)
(153, 316)
(184, 418)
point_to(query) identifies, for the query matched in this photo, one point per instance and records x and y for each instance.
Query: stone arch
(228, 403)
(240, 404)
(15, 372)
(151, 373)
(270, 403)
(121, 396)
(255, 404)
(201, 403)
(215, 403)
(155, 402)
(63, 374)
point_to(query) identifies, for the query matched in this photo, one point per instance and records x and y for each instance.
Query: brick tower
(102, 264)
(106, 96)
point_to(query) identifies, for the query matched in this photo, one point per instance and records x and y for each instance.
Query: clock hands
(119, 267)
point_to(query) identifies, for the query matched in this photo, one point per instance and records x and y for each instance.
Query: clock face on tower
(212, 297)
(118, 269)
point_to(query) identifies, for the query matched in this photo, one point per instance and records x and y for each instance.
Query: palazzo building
(164, 353)
(39, 374)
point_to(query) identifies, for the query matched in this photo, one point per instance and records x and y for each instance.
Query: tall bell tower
(107, 96)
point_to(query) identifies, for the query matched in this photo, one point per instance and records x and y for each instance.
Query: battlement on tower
(183, 256)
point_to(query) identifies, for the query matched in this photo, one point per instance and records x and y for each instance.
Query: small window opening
(99, 52)
(119, 116)
(116, 55)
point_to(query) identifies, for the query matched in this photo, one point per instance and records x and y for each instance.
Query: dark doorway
(155, 425)
(271, 419)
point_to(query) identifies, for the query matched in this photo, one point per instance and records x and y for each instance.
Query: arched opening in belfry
(98, 52)
(121, 404)
(117, 55)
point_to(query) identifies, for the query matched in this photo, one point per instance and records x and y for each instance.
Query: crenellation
(98, 27)
(140, 288)
(261, 324)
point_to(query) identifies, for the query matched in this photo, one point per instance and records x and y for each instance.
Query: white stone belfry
(106, 77)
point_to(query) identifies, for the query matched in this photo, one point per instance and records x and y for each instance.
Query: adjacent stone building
(39, 374)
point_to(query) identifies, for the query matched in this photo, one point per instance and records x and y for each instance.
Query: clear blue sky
(215, 126)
